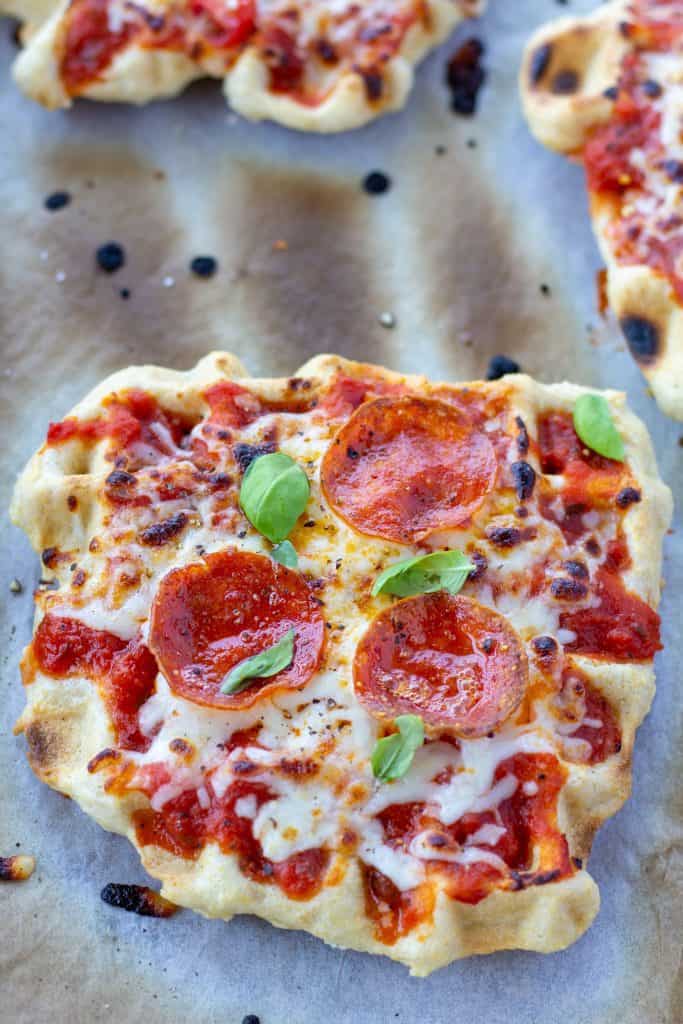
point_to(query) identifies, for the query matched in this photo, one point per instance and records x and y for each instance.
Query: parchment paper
(457, 250)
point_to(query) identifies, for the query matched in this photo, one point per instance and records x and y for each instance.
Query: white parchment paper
(457, 250)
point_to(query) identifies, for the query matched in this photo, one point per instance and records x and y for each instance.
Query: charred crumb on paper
(465, 76)
(376, 183)
(16, 586)
(110, 257)
(499, 366)
(57, 201)
(204, 266)
(17, 868)
(137, 899)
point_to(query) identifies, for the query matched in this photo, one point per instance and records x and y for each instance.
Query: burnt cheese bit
(376, 183)
(565, 83)
(160, 533)
(504, 536)
(524, 477)
(480, 565)
(465, 76)
(499, 366)
(576, 569)
(110, 257)
(544, 646)
(673, 170)
(628, 496)
(651, 88)
(540, 62)
(642, 336)
(204, 266)
(611, 93)
(57, 201)
(245, 454)
(137, 899)
(568, 589)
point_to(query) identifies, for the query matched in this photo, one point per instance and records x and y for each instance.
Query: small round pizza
(353, 651)
(608, 89)
(315, 65)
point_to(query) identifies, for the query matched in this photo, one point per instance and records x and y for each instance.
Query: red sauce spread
(589, 478)
(403, 468)
(579, 699)
(184, 827)
(210, 28)
(456, 663)
(133, 418)
(532, 836)
(124, 670)
(622, 627)
(654, 239)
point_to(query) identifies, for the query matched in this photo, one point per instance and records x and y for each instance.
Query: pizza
(608, 89)
(315, 65)
(353, 651)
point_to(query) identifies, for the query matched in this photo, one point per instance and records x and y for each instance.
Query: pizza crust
(140, 75)
(66, 726)
(593, 48)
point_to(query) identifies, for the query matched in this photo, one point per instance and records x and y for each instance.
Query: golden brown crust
(67, 726)
(139, 75)
(586, 54)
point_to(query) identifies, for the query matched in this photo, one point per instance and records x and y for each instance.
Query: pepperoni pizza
(316, 65)
(608, 88)
(353, 651)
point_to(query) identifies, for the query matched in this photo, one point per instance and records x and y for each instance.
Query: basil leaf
(285, 554)
(594, 424)
(393, 755)
(262, 665)
(442, 570)
(273, 494)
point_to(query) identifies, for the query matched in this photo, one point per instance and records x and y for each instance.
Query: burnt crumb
(57, 201)
(72, 502)
(110, 257)
(16, 586)
(159, 533)
(244, 454)
(137, 899)
(523, 879)
(564, 83)
(204, 266)
(376, 183)
(576, 569)
(592, 547)
(577, 862)
(124, 293)
(17, 868)
(326, 51)
(524, 477)
(544, 646)
(522, 436)
(499, 366)
(611, 93)
(545, 289)
(628, 496)
(568, 590)
(251, 1018)
(540, 62)
(480, 565)
(465, 76)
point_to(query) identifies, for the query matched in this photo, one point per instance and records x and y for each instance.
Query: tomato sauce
(532, 836)
(124, 670)
(184, 827)
(90, 45)
(622, 627)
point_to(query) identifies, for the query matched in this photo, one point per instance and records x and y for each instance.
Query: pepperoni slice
(209, 616)
(448, 659)
(402, 468)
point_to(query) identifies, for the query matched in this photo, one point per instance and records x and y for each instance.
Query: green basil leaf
(262, 665)
(393, 755)
(442, 570)
(273, 495)
(594, 424)
(285, 554)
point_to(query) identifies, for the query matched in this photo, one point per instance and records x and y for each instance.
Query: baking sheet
(457, 250)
